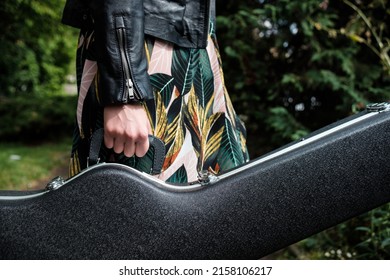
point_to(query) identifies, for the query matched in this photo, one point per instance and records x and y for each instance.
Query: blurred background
(291, 67)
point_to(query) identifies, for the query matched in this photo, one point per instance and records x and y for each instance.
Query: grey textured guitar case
(111, 211)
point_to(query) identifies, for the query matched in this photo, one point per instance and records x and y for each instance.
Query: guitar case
(110, 211)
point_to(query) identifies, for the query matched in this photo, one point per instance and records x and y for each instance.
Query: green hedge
(37, 51)
(36, 118)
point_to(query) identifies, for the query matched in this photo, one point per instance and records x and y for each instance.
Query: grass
(24, 167)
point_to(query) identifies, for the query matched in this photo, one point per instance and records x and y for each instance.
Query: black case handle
(154, 143)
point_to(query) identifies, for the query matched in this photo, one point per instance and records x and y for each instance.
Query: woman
(153, 67)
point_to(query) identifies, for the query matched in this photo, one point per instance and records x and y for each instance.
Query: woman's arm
(123, 81)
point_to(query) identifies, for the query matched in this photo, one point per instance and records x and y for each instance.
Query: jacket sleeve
(120, 50)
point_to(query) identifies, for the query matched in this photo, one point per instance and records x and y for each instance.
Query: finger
(142, 148)
(129, 148)
(119, 144)
(149, 128)
(142, 141)
(108, 141)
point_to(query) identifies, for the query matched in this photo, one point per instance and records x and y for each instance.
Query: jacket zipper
(129, 91)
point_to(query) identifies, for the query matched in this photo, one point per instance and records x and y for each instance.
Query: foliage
(32, 118)
(369, 31)
(304, 57)
(36, 48)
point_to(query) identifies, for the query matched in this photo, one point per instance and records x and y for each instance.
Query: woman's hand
(126, 129)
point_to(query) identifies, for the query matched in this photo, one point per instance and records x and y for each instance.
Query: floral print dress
(191, 112)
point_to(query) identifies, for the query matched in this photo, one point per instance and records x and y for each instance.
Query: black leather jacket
(120, 26)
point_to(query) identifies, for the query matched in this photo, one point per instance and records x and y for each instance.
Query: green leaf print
(164, 84)
(180, 176)
(145, 163)
(203, 78)
(182, 69)
(230, 154)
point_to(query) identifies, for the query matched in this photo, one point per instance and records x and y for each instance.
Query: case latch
(55, 183)
(378, 107)
(205, 177)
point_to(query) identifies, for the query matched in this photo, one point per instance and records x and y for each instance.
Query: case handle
(154, 143)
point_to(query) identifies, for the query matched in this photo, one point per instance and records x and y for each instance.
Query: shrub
(36, 49)
(35, 118)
